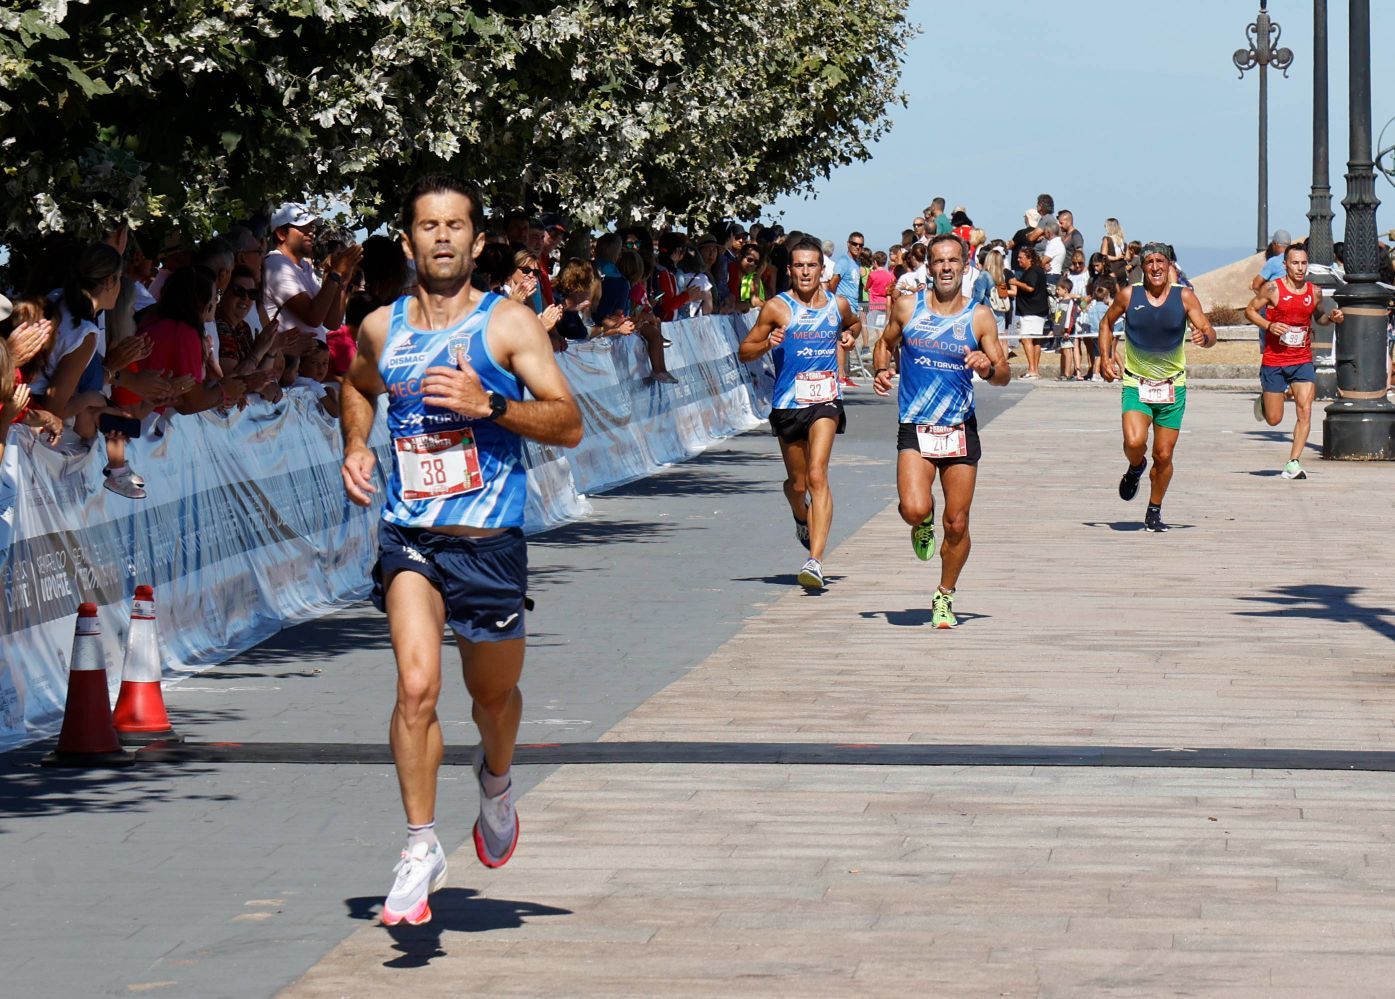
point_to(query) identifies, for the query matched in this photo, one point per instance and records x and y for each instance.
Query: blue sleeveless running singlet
(936, 388)
(808, 355)
(449, 470)
(1156, 338)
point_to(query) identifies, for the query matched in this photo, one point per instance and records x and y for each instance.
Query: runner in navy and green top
(1156, 313)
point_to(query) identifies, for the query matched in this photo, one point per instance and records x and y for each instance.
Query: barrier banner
(246, 528)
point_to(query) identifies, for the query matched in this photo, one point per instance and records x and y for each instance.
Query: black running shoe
(1128, 485)
(1153, 521)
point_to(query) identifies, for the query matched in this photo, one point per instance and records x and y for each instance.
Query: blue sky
(1112, 111)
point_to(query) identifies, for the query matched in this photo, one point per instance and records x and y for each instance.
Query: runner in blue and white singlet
(802, 329)
(450, 469)
(936, 387)
(944, 339)
(806, 361)
(454, 363)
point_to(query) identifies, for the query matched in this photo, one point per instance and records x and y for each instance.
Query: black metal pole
(1360, 425)
(1320, 200)
(1262, 240)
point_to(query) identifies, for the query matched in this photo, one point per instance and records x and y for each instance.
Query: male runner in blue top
(453, 362)
(804, 327)
(944, 340)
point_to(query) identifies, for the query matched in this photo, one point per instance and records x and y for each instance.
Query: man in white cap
(294, 295)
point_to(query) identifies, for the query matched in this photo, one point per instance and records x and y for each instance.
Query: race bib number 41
(433, 466)
(1156, 393)
(942, 442)
(814, 387)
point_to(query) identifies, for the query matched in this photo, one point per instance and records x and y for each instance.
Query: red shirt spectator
(342, 348)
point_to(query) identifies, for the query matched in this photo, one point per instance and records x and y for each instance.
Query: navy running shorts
(484, 581)
(1276, 378)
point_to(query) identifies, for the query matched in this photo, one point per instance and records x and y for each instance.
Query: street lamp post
(1360, 424)
(1320, 199)
(1263, 33)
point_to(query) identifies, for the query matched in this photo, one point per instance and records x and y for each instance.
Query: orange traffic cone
(140, 707)
(88, 738)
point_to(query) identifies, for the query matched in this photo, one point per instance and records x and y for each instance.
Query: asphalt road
(232, 879)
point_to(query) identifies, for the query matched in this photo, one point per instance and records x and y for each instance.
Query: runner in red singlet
(1291, 305)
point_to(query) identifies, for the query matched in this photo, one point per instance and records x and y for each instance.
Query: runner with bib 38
(944, 340)
(1156, 313)
(803, 328)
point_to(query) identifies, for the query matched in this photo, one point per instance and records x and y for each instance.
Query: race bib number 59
(433, 466)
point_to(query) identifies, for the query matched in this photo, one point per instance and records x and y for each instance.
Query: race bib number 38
(942, 442)
(438, 465)
(814, 387)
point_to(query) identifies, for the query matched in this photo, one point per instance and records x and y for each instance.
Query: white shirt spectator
(283, 280)
(830, 270)
(68, 337)
(701, 282)
(1054, 256)
(913, 280)
(317, 388)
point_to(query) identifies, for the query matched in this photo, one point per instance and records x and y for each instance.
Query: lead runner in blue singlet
(454, 363)
(944, 340)
(803, 328)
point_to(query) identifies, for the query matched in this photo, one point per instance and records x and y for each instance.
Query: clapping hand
(27, 340)
(129, 351)
(14, 405)
(550, 317)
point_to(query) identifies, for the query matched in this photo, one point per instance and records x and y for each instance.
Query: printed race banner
(246, 529)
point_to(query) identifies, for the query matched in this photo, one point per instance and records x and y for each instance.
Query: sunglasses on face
(857, 246)
(530, 271)
(631, 245)
(919, 225)
(242, 292)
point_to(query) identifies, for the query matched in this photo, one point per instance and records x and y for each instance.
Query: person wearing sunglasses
(240, 350)
(525, 286)
(847, 282)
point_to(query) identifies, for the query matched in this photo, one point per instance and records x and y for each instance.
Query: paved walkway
(1261, 620)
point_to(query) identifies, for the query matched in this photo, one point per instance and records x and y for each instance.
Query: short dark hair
(948, 237)
(1300, 247)
(443, 183)
(856, 235)
(185, 296)
(806, 243)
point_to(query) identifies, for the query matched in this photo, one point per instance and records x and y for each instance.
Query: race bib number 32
(433, 466)
(814, 387)
(942, 442)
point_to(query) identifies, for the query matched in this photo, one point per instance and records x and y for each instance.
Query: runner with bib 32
(944, 340)
(803, 328)
(1155, 313)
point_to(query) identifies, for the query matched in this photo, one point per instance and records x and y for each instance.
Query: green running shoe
(923, 539)
(942, 611)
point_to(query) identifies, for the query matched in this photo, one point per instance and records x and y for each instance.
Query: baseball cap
(1281, 237)
(292, 213)
(552, 221)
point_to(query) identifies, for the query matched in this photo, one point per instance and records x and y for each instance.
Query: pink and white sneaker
(421, 871)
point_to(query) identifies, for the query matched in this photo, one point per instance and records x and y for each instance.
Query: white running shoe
(421, 871)
(124, 482)
(811, 576)
(496, 830)
(1259, 409)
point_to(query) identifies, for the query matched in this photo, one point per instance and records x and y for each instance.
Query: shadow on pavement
(919, 617)
(689, 479)
(1329, 603)
(1131, 525)
(362, 629)
(586, 532)
(453, 910)
(28, 790)
(789, 579)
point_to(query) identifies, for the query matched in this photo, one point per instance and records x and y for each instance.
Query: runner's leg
(818, 450)
(1136, 437)
(1164, 441)
(957, 481)
(914, 477)
(491, 671)
(1274, 408)
(1303, 395)
(416, 617)
(796, 458)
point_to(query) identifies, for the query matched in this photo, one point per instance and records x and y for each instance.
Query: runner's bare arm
(990, 357)
(852, 325)
(897, 316)
(1266, 296)
(358, 405)
(520, 344)
(1203, 335)
(1117, 308)
(767, 333)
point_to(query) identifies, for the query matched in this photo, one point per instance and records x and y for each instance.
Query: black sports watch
(498, 405)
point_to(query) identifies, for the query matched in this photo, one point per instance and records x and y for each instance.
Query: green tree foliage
(205, 110)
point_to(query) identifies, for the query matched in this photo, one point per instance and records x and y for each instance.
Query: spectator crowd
(111, 340)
